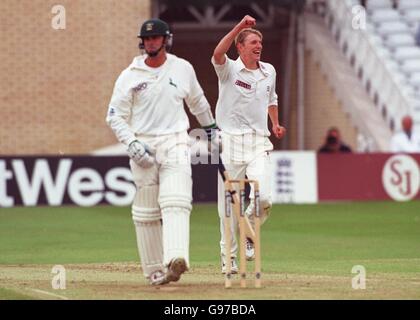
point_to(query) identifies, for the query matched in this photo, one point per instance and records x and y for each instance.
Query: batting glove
(140, 154)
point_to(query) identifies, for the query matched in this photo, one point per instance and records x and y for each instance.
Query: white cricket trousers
(245, 156)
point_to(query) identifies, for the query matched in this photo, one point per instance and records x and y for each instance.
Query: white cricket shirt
(401, 143)
(149, 101)
(244, 96)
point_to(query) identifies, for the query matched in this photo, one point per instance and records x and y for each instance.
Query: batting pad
(176, 234)
(148, 225)
(175, 199)
(176, 189)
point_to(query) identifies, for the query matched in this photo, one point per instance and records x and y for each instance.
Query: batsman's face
(153, 43)
(251, 48)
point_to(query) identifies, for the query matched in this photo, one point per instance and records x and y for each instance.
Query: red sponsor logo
(401, 177)
(243, 84)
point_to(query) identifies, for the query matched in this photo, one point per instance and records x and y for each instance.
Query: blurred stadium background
(56, 77)
(337, 65)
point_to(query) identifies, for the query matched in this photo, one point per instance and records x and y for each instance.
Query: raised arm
(224, 44)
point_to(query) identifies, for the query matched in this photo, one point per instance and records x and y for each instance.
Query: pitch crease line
(49, 293)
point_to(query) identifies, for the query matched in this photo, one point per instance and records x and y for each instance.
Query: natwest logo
(401, 177)
(84, 186)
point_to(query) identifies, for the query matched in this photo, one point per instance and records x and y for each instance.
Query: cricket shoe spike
(234, 267)
(249, 250)
(176, 268)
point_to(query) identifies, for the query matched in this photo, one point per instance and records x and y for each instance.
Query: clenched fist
(279, 131)
(247, 22)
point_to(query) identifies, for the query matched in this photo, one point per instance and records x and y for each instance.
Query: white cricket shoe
(249, 250)
(234, 267)
(158, 278)
(176, 268)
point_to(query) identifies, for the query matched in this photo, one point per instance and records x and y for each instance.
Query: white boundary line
(48, 293)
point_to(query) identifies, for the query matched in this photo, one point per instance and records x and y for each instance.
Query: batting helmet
(154, 27)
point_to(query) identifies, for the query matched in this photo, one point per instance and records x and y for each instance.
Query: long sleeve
(119, 112)
(197, 102)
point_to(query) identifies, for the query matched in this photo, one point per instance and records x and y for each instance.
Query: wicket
(238, 206)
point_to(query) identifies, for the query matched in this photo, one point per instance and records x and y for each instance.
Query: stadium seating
(399, 40)
(373, 5)
(388, 28)
(348, 96)
(384, 54)
(410, 66)
(405, 5)
(406, 53)
(411, 16)
(415, 79)
(385, 15)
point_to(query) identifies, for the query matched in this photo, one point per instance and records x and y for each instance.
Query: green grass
(330, 238)
(301, 245)
(7, 294)
(301, 238)
(66, 235)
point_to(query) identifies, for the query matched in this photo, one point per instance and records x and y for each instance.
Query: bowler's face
(251, 48)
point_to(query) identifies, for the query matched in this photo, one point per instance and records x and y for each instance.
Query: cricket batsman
(146, 113)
